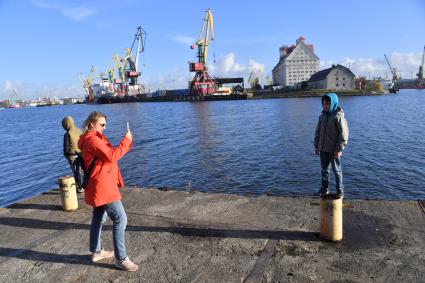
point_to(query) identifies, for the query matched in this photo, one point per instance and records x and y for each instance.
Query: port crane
(255, 79)
(393, 70)
(131, 66)
(116, 66)
(269, 80)
(87, 83)
(420, 73)
(126, 66)
(202, 84)
(13, 98)
(121, 78)
(395, 76)
(117, 82)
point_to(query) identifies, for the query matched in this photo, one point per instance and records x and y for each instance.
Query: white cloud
(76, 13)
(326, 64)
(175, 79)
(187, 40)
(227, 66)
(254, 66)
(8, 85)
(406, 64)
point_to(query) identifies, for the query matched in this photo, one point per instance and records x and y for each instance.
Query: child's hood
(68, 123)
(334, 101)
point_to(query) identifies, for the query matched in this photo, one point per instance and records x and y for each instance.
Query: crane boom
(133, 70)
(393, 70)
(140, 36)
(203, 43)
(13, 98)
(116, 66)
(420, 73)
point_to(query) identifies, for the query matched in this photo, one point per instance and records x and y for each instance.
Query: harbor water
(247, 147)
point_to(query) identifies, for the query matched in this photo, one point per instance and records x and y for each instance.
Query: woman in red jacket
(102, 190)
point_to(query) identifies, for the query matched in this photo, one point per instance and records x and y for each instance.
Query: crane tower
(420, 73)
(202, 84)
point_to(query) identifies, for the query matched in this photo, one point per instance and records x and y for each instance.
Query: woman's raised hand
(129, 135)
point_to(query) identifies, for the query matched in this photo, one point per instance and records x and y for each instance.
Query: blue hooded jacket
(332, 129)
(334, 101)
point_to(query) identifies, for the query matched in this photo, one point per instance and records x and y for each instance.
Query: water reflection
(246, 147)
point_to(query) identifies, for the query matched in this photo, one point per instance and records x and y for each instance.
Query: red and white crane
(202, 84)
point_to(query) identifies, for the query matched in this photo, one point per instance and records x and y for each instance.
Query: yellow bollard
(331, 218)
(68, 193)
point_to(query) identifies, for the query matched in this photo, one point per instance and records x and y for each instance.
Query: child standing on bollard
(102, 190)
(70, 143)
(329, 141)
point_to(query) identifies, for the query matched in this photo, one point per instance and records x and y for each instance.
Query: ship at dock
(204, 86)
(418, 83)
(121, 83)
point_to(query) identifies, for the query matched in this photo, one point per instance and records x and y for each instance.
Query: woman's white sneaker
(101, 255)
(126, 264)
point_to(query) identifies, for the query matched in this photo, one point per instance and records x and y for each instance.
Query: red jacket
(105, 179)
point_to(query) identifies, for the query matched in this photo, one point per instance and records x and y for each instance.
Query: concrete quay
(199, 237)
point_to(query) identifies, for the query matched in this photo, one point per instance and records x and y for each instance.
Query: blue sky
(47, 43)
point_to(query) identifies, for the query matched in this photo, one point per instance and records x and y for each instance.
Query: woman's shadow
(32, 255)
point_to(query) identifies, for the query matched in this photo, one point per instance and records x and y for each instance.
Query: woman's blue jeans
(326, 159)
(116, 213)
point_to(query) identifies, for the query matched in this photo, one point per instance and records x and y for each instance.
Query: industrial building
(296, 64)
(337, 77)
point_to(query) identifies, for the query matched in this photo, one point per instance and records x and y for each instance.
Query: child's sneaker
(323, 192)
(339, 193)
(101, 255)
(126, 264)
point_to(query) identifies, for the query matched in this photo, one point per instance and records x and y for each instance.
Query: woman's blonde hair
(92, 119)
